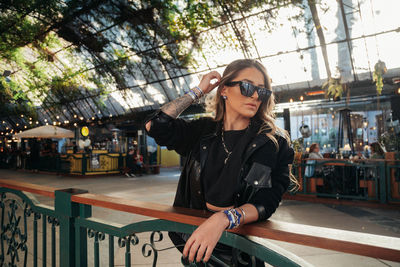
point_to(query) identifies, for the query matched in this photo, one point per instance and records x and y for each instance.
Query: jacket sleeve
(176, 134)
(266, 200)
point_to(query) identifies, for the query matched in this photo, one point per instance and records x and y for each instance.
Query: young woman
(236, 163)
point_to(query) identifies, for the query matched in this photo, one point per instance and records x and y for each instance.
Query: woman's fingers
(206, 84)
(187, 247)
(200, 252)
(208, 253)
(193, 250)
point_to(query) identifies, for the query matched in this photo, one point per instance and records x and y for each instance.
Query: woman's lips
(251, 105)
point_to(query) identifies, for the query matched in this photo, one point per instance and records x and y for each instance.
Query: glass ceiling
(122, 67)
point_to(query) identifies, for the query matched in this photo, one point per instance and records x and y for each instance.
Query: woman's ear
(224, 91)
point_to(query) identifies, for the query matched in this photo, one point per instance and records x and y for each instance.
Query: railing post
(382, 183)
(84, 164)
(85, 211)
(66, 212)
(120, 161)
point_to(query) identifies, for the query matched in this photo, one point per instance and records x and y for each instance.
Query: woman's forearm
(174, 108)
(177, 106)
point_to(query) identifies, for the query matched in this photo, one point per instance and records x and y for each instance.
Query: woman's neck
(235, 122)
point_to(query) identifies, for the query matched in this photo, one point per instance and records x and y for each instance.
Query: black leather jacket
(264, 174)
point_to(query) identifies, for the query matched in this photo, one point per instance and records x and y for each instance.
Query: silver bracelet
(192, 95)
(244, 213)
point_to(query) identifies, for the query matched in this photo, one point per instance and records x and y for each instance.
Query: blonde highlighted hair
(265, 112)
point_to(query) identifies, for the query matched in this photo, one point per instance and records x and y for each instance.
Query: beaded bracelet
(233, 217)
(243, 213)
(199, 90)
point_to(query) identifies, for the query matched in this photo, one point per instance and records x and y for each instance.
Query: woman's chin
(248, 115)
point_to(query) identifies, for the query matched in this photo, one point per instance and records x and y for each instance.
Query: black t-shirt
(218, 190)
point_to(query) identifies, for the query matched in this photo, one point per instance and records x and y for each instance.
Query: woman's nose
(255, 95)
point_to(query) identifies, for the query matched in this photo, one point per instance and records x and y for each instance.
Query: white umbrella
(47, 131)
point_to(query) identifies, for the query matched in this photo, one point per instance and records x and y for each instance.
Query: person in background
(312, 170)
(377, 151)
(138, 162)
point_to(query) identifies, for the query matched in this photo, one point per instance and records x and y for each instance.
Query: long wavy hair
(265, 111)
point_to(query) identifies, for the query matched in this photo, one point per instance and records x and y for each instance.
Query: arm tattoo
(177, 106)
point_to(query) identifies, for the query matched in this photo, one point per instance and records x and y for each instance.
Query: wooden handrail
(27, 187)
(370, 245)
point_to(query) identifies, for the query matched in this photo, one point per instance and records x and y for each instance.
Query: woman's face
(237, 104)
(316, 149)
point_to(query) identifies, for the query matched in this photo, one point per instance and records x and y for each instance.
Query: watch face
(85, 131)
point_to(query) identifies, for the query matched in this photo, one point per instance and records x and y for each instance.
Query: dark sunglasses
(248, 89)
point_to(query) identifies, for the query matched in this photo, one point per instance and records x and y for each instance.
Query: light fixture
(54, 123)
(75, 116)
(291, 100)
(17, 124)
(45, 120)
(365, 123)
(37, 122)
(301, 98)
(25, 126)
(22, 115)
(57, 117)
(92, 118)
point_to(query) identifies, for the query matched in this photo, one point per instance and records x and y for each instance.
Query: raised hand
(206, 85)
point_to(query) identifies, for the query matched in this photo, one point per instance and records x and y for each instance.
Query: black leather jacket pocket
(259, 176)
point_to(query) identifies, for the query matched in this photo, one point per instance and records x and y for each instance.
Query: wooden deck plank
(27, 187)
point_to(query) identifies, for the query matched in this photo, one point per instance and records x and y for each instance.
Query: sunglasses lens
(264, 94)
(247, 89)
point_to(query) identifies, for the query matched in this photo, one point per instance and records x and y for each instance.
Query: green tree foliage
(62, 50)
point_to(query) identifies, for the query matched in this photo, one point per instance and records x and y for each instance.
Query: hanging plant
(379, 70)
(333, 88)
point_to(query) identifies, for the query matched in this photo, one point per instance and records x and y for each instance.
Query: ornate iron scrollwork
(13, 232)
(148, 248)
(97, 235)
(133, 239)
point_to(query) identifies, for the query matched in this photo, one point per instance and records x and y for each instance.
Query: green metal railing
(69, 232)
(393, 182)
(347, 177)
(76, 228)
